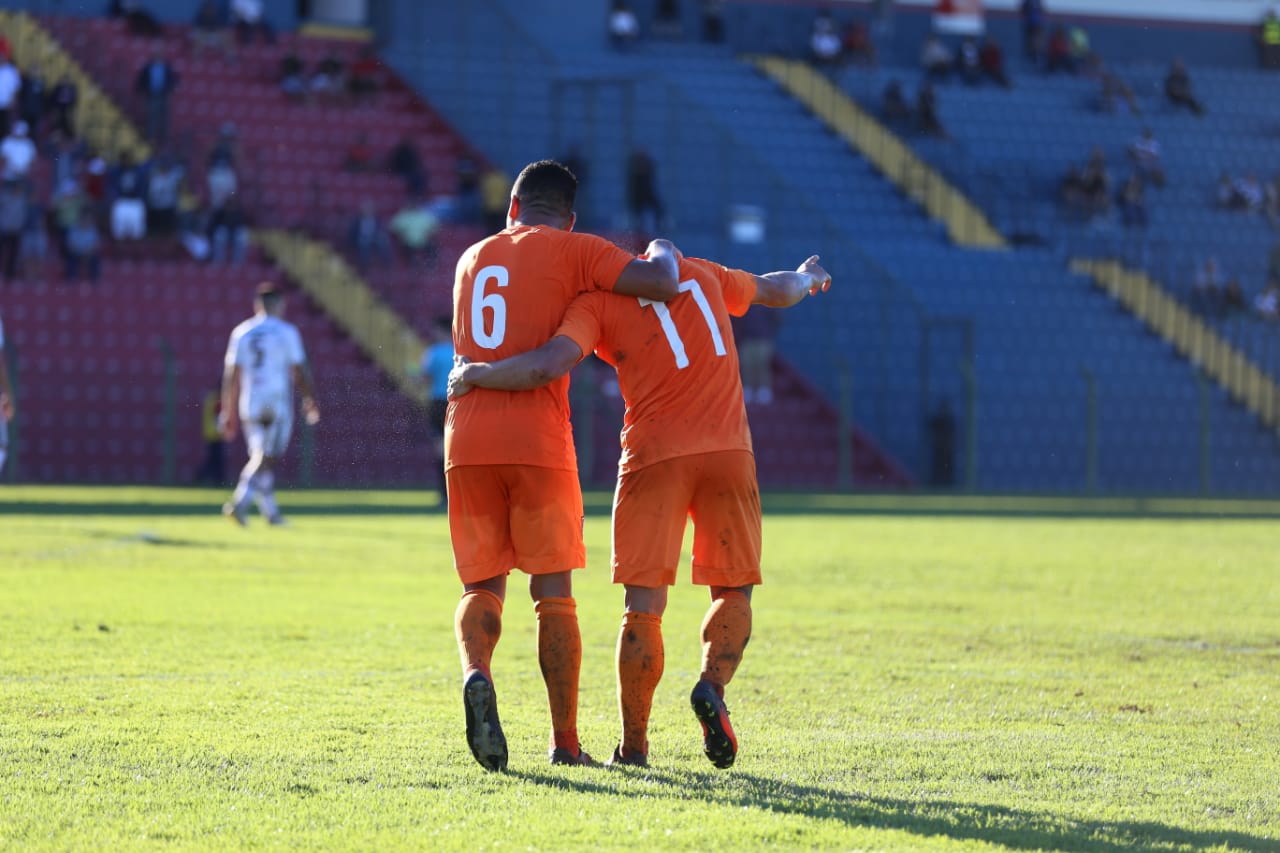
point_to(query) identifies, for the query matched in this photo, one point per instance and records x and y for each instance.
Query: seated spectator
(406, 162)
(128, 208)
(666, 20)
(367, 76)
(164, 189)
(1087, 190)
(415, 225)
(366, 237)
(329, 80)
(936, 58)
(1132, 202)
(33, 98)
(292, 82)
(249, 20)
(1269, 40)
(495, 198)
(96, 187)
(894, 108)
(226, 146)
(1250, 193)
(360, 154)
(65, 205)
(34, 248)
(83, 248)
(13, 218)
(857, 45)
(140, 22)
(62, 101)
(991, 58)
(824, 41)
(467, 206)
(1115, 94)
(228, 233)
(927, 111)
(1146, 155)
(18, 153)
(209, 31)
(221, 184)
(624, 26)
(1233, 298)
(968, 65)
(1078, 43)
(1057, 53)
(1177, 88)
(1267, 303)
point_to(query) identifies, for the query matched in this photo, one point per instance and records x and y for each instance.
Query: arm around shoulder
(655, 276)
(531, 369)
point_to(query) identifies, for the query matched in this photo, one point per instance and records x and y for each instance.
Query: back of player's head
(269, 296)
(547, 186)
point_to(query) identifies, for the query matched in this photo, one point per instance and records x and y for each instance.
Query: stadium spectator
(644, 204)
(1132, 201)
(63, 103)
(1146, 155)
(97, 188)
(682, 457)
(228, 233)
(65, 204)
(328, 82)
(756, 334)
(405, 161)
(128, 200)
(213, 468)
(415, 226)
(13, 219)
(1208, 289)
(467, 207)
(667, 21)
(1233, 301)
(437, 361)
(712, 21)
(495, 195)
(856, 44)
(225, 150)
(18, 153)
(83, 251)
(991, 58)
(209, 31)
(927, 111)
(1269, 40)
(1082, 57)
(968, 64)
(1115, 94)
(157, 80)
(1267, 303)
(292, 77)
(1057, 53)
(367, 238)
(164, 190)
(1033, 29)
(10, 86)
(1087, 190)
(367, 76)
(221, 184)
(824, 41)
(33, 100)
(1177, 88)
(8, 405)
(623, 25)
(1244, 193)
(137, 18)
(360, 156)
(506, 494)
(265, 362)
(33, 250)
(936, 59)
(250, 22)
(894, 108)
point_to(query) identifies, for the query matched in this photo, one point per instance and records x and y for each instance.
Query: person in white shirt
(264, 361)
(18, 153)
(7, 405)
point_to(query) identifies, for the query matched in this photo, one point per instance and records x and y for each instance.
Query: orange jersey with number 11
(677, 364)
(510, 292)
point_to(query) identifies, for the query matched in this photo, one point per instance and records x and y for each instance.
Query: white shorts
(268, 433)
(128, 219)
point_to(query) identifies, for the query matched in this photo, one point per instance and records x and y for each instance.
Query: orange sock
(725, 632)
(641, 659)
(477, 623)
(560, 656)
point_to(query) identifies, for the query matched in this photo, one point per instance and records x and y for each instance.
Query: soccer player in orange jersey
(511, 470)
(686, 452)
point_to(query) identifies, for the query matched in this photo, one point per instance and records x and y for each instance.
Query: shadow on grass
(993, 824)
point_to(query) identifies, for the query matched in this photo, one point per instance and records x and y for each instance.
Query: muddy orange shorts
(718, 491)
(504, 517)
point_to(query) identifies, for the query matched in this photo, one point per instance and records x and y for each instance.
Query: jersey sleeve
(737, 286)
(297, 354)
(599, 261)
(234, 356)
(583, 320)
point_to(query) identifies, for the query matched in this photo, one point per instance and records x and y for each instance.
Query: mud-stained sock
(560, 657)
(726, 629)
(477, 624)
(641, 658)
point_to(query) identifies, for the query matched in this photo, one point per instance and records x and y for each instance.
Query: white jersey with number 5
(266, 349)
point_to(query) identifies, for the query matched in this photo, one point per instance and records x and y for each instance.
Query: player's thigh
(726, 519)
(479, 522)
(650, 511)
(255, 437)
(276, 435)
(546, 519)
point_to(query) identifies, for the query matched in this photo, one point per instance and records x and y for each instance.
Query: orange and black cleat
(718, 740)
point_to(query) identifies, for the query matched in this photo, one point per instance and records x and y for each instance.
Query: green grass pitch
(915, 682)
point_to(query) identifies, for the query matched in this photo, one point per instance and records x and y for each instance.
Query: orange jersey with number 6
(677, 364)
(510, 292)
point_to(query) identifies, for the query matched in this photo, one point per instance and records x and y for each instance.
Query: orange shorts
(718, 491)
(504, 517)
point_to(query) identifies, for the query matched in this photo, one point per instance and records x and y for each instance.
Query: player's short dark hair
(547, 185)
(269, 294)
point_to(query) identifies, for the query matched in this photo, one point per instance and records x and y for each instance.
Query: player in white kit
(6, 401)
(265, 359)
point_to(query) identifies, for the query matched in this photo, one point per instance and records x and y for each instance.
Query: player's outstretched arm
(531, 369)
(784, 289)
(656, 275)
